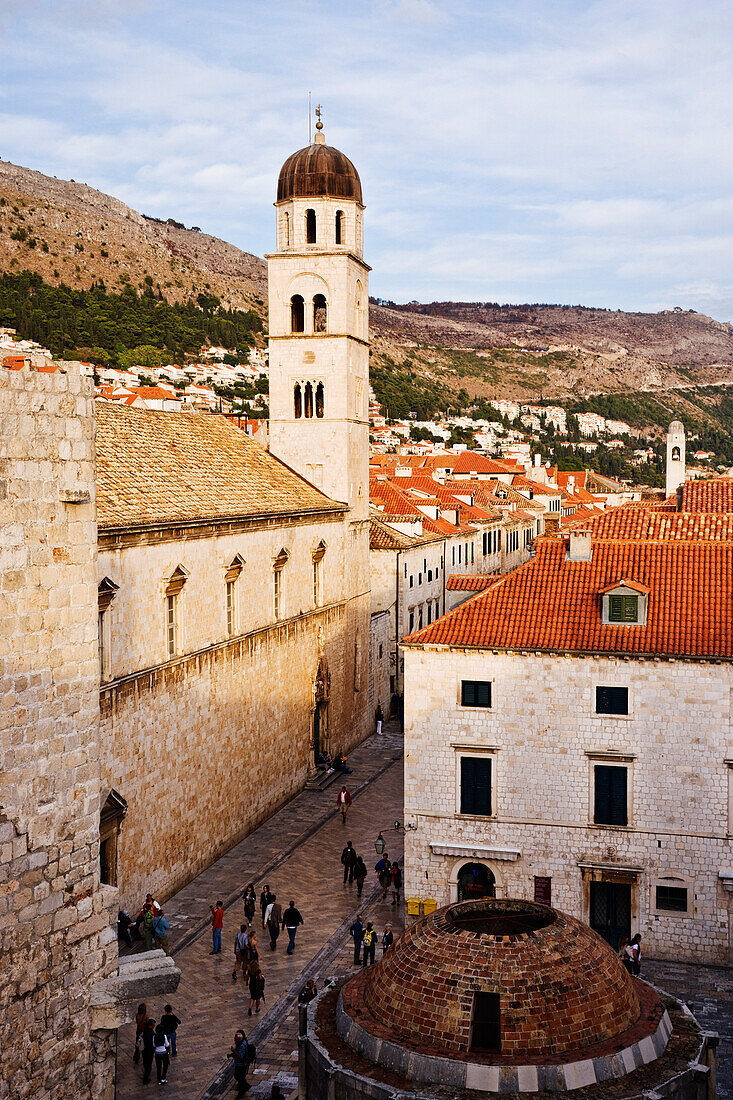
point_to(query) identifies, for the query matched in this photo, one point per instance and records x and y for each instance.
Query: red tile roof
(632, 522)
(470, 462)
(462, 582)
(554, 605)
(715, 495)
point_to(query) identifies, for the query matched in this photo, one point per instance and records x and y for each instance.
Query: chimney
(580, 548)
(538, 460)
(552, 525)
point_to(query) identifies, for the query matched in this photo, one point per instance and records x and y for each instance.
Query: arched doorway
(321, 688)
(475, 880)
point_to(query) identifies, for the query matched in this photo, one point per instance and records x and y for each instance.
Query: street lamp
(379, 845)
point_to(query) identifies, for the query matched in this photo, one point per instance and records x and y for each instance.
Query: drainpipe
(397, 624)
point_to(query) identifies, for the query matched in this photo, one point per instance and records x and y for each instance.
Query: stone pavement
(297, 851)
(708, 990)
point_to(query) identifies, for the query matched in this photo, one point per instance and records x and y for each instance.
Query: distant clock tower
(675, 468)
(318, 316)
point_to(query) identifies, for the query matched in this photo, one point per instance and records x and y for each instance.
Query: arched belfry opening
(310, 227)
(340, 227)
(320, 313)
(297, 313)
(321, 692)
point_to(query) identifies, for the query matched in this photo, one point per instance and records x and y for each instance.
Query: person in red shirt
(343, 801)
(217, 923)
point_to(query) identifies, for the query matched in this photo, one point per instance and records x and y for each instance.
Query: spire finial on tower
(319, 139)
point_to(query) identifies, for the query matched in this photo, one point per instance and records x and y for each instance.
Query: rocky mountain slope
(68, 232)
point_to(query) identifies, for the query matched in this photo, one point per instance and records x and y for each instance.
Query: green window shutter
(615, 608)
(631, 609)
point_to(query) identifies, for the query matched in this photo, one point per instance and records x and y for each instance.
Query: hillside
(424, 357)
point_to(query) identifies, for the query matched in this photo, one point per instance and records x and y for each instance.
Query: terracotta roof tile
(165, 467)
(550, 604)
(635, 523)
(715, 495)
(471, 582)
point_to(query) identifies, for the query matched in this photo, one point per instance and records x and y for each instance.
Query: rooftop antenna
(309, 118)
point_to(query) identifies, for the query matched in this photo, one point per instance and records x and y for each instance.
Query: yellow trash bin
(429, 906)
(413, 907)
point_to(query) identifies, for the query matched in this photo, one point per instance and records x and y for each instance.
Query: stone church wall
(543, 737)
(56, 935)
(207, 746)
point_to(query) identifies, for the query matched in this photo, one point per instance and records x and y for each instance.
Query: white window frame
(171, 625)
(683, 882)
(232, 609)
(476, 750)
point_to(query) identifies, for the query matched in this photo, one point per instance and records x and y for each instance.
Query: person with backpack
(357, 934)
(147, 926)
(256, 990)
(291, 920)
(240, 1054)
(348, 859)
(161, 1049)
(273, 917)
(360, 873)
(369, 942)
(396, 874)
(241, 950)
(170, 1024)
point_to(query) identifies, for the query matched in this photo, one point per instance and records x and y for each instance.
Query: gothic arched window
(297, 313)
(320, 313)
(297, 401)
(676, 454)
(310, 227)
(319, 400)
(308, 400)
(339, 227)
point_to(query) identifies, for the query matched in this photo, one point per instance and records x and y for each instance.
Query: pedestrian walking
(217, 923)
(396, 875)
(273, 918)
(240, 1054)
(379, 718)
(360, 873)
(250, 902)
(291, 920)
(147, 924)
(170, 1024)
(265, 899)
(635, 946)
(161, 1049)
(241, 950)
(357, 933)
(141, 1018)
(253, 951)
(369, 944)
(161, 928)
(123, 927)
(343, 801)
(383, 867)
(387, 939)
(147, 1045)
(348, 859)
(256, 990)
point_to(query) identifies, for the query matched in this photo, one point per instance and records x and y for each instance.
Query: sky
(509, 150)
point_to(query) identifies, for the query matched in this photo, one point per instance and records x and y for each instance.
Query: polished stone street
(297, 852)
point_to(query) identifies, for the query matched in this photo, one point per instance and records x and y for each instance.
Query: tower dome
(318, 171)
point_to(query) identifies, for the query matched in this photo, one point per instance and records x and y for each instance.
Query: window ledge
(615, 828)
(610, 754)
(615, 717)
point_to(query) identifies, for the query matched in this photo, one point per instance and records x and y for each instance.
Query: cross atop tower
(319, 138)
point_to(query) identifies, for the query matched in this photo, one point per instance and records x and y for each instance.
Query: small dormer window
(623, 609)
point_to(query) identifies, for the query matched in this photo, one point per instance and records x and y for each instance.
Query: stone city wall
(544, 737)
(56, 935)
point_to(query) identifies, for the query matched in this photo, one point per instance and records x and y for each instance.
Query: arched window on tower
(297, 313)
(340, 227)
(359, 307)
(320, 313)
(297, 401)
(676, 456)
(319, 400)
(310, 227)
(286, 230)
(308, 400)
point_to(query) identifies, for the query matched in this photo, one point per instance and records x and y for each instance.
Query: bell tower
(319, 338)
(675, 467)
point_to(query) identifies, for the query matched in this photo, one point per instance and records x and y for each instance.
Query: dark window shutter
(610, 804)
(631, 609)
(615, 608)
(612, 700)
(476, 785)
(475, 693)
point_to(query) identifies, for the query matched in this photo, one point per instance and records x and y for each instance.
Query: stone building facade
(565, 747)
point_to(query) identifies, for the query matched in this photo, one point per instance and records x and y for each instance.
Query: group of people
(155, 1041)
(365, 941)
(388, 873)
(150, 926)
